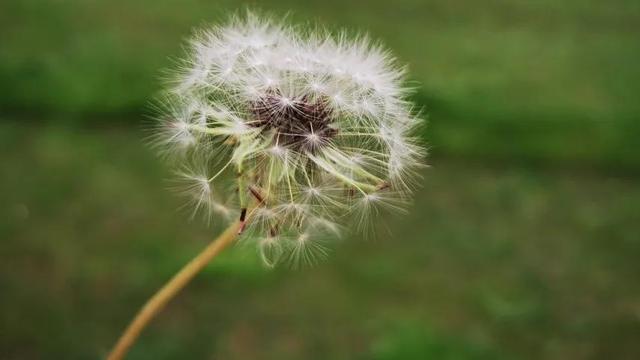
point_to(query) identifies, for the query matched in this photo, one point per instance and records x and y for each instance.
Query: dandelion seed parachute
(299, 129)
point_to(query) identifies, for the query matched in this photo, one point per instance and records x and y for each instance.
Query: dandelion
(307, 128)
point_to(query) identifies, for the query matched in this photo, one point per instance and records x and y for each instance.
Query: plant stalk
(156, 303)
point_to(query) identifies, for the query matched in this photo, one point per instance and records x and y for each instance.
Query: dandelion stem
(156, 303)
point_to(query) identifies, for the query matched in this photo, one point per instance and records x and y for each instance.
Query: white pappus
(290, 131)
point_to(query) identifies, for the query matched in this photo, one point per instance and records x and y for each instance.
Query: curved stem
(169, 290)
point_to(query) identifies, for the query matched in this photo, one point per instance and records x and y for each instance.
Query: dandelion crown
(291, 132)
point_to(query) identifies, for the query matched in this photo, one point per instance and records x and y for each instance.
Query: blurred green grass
(492, 263)
(523, 242)
(535, 81)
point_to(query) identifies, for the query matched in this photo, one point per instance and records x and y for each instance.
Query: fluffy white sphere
(293, 131)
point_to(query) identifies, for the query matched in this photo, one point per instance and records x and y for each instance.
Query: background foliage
(523, 243)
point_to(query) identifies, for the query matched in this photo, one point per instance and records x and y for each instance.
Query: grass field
(523, 242)
(535, 81)
(492, 263)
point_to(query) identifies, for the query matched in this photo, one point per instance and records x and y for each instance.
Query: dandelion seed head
(308, 126)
